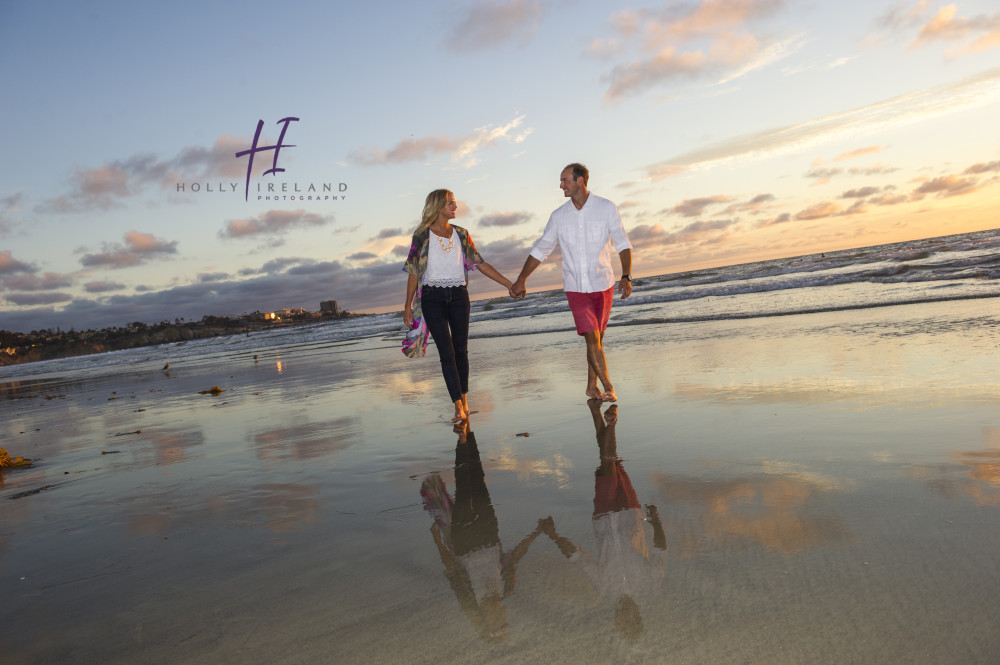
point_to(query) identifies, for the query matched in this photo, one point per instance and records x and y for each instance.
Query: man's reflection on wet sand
(626, 571)
(467, 536)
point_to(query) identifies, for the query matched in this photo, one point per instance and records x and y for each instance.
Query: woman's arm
(411, 288)
(492, 273)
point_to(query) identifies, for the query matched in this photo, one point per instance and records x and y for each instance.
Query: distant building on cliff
(329, 308)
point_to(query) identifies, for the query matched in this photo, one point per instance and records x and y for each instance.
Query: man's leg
(592, 389)
(598, 364)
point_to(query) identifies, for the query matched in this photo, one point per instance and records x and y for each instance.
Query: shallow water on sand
(827, 487)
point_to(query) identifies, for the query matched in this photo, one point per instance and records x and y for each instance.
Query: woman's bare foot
(461, 413)
(594, 392)
(609, 396)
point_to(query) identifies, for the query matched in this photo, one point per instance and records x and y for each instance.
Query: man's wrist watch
(628, 277)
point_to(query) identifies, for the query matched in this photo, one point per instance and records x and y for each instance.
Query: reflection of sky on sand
(281, 507)
(770, 510)
(974, 474)
(306, 440)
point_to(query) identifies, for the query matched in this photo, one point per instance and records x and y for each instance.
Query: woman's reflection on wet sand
(626, 572)
(467, 536)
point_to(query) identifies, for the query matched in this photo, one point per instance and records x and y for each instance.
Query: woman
(437, 298)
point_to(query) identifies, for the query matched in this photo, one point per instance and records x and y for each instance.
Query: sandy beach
(828, 486)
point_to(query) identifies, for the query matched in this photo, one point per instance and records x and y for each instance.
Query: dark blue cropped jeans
(446, 313)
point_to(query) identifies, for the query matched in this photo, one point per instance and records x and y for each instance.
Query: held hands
(518, 289)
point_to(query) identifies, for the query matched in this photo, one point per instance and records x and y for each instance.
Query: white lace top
(444, 268)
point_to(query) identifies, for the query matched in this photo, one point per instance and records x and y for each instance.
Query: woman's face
(450, 208)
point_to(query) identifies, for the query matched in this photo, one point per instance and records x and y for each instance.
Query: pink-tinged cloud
(860, 152)
(946, 186)
(34, 298)
(694, 207)
(860, 193)
(651, 236)
(948, 27)
(899, 16)
(137, 249)
(273, 222)
(664, 38)
(490, 24)
(972, 92)
(505, 219)
(33, 282)
(109, 185)
(982, 168)
(819, 211)
(460, 148)
(102, 286)
(385, 234)
(10, 265)
(773, 221)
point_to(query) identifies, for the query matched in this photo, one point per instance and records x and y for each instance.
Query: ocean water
(947, 268)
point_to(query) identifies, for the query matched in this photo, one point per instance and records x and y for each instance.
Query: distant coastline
(20, 348)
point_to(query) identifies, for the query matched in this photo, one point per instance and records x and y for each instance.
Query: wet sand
(827, 488)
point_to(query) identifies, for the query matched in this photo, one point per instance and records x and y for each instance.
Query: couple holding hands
(437, 300)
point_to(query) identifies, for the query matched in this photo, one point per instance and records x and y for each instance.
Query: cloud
(137, 248)
(946, 26)
(108, 185)
(461, 148)
(982, 168)
(971, 92)
(898, 16)
(708, 38)
(780, 219)
(273, 222)
(505, 219)
(33, 282)
(10, 265)
(819, 211)
(694, 207)
(754, 206)
(102, 286)
(860, 152)
(205, 277)
(648, 236)
(32, 299)
(362, 256)
(860, 193)
(946, 186)
(8, 205)
(490, 24)
(385, 234)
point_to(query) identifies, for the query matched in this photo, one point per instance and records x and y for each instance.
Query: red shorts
(590, 310)
(613, 493)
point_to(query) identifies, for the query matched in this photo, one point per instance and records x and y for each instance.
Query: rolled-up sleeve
(618, 235)
(547, 243)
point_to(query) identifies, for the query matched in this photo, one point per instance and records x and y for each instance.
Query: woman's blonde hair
(436, 200)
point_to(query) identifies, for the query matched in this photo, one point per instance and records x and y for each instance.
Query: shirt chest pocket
(596, 232)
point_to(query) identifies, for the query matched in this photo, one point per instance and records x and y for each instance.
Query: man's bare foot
(595, 393)
(609, 396)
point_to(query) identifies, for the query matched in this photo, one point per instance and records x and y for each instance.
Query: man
(585, 228)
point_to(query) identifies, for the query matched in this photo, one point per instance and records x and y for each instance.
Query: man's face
(570, 185)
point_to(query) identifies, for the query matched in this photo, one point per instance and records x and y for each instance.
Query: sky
(726, 131)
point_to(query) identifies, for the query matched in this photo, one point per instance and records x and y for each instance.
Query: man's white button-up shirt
(586, 237)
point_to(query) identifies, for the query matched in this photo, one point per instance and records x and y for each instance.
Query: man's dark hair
(579, 171)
